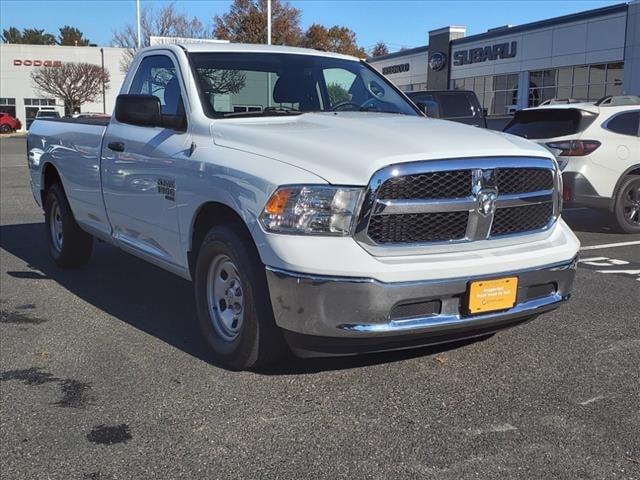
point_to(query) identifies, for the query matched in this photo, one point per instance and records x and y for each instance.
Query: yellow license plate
(491, 295)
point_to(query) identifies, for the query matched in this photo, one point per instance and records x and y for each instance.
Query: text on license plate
(490, 295)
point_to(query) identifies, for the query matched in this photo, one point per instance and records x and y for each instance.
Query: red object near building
(8, 123)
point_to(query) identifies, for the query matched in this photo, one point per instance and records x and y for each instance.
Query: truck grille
(458, 201)
(521, 219)
(418, 227)
(427, 186)
(523, 180)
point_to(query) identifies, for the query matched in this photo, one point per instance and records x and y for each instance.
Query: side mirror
(430, 108)
(146, 111)
(142, 110)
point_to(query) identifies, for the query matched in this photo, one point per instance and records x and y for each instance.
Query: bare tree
(379, 49)
(73, 83)
(219, 82)
(164, 22)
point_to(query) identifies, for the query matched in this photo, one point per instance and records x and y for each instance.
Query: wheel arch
(50, 176)
(207, 216)
(633, 170)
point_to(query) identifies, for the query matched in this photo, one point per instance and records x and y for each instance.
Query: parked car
(8, 123)
(91, 115)
(597, 145)
(457, 105)
(46, 113)
(311, 204)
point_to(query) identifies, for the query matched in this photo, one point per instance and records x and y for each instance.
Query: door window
(157, 76)
(624, 124)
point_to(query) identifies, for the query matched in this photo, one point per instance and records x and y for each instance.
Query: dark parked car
(456, 105)
(8, 123)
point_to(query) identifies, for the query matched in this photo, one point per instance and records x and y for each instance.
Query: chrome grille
(417, 205)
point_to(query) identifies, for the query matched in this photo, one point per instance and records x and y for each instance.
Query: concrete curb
(13, 135)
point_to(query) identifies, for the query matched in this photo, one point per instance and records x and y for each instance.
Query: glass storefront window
(580, 92)
(496, 93)
(581, 75)
(596, 91)
(563, 92)
(615, 72)
(478, 85)
(582, 82)
(614, 89)
(597, 73)
(564, 78)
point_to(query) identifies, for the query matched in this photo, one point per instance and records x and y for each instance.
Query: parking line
(610, 245)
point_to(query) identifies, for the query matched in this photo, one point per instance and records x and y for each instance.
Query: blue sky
(398, 23)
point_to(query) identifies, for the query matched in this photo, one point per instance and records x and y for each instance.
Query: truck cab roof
(212, 47)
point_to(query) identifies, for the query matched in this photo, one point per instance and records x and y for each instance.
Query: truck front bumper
(323, 315)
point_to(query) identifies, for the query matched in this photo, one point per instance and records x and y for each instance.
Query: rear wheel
(4, 128)
(627, 205)
(232, 301)
(69, 245)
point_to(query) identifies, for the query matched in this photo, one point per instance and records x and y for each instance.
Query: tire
(5, 128)
(626, 209)
(69, 245)
(232, 301)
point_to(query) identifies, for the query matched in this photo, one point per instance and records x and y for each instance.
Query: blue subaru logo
(437, 61)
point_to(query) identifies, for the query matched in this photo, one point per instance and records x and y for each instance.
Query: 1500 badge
(167, 187)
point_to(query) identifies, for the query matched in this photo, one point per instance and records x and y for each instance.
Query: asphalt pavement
(103, 375)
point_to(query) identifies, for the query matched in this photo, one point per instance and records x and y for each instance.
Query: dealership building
(584, 56)
(18, 95)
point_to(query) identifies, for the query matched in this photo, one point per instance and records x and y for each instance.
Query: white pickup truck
(310, 202)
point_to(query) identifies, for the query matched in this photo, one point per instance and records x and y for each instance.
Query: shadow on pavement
(589, 220)
(154, 301)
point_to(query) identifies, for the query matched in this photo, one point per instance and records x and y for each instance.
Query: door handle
(116, 146)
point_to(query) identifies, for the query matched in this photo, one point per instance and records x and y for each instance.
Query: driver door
(140, 165)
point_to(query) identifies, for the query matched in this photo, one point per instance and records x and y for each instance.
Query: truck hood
(347, 148)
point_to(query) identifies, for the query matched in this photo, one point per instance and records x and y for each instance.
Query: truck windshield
(258, 84)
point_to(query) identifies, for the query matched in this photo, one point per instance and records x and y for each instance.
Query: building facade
(21, 99)
(583, 56)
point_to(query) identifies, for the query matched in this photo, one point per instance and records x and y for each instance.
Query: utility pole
(138, 15)
(268, 22)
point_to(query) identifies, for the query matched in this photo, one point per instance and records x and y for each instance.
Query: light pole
(138, 17)
(268, 22)
(104, 101)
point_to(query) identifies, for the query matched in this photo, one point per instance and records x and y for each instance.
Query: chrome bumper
(362, 308)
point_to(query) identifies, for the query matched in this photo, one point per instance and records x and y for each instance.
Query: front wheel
(627, 205)
(232, 301)
(69, 245)
(5, 128)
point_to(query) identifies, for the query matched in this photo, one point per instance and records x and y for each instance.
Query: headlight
(313, 210)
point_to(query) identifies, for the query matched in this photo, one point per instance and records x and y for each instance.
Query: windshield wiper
(269, 112)
(376, 110)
